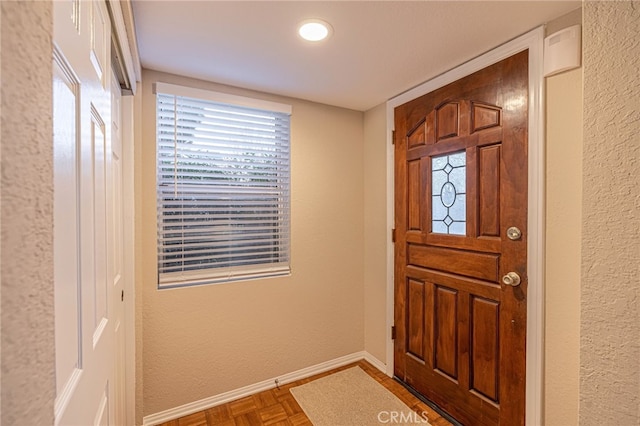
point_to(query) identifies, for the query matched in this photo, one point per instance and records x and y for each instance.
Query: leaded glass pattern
(449, 200)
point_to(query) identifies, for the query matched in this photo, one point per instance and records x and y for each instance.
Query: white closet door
(85, 245)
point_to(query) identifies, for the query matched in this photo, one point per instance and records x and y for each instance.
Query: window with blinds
(222, 187)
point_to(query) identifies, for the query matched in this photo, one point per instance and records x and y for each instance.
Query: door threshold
(431, 404)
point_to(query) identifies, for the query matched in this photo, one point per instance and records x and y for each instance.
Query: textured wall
(28, 348)
(206, 340)
(610, 294)
(376, 234)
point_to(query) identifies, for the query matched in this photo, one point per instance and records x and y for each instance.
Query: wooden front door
(460, 184)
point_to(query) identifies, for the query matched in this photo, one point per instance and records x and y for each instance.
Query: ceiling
(379, 49)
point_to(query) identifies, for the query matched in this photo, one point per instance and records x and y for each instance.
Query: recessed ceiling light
(314, 29)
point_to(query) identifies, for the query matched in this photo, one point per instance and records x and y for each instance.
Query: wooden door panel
(483, 266)
(417, 135)
(414, 190)
(447, 120)
(445, 330)
(484, 353)
(484, 116)
(461, 181)
(489, 190)
(415, 315)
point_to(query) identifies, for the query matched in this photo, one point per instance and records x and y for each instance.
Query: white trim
(375, 362)
(180, 279)
(64, 397)
(223, 398)
(127, 33)
(533, 41)
(123, 26)
(536, 234)
(120, 31)
(209, 95)
(124, 42)
(128, 202)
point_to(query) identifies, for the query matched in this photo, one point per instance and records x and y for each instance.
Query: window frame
(192, 275)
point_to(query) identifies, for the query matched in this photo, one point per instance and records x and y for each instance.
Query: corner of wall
(565, 21)
(375, 232)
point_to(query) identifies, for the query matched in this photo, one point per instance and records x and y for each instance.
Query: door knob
(512, 279)
(514, 233)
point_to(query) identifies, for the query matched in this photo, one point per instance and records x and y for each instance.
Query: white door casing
(87, 223)
(116, 244)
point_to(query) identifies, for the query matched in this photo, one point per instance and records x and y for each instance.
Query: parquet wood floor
(278, 407)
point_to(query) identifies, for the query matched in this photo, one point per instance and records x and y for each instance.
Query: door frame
(533, 40)
(120, 13)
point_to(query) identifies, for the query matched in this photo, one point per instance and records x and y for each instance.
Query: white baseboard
(375, 362)
(204, 404)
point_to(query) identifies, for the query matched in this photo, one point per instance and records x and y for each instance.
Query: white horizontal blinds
(223, 191)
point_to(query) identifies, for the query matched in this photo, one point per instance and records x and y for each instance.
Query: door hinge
(393, 332)
(393, 235)
(122, 296)
(393, 137)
